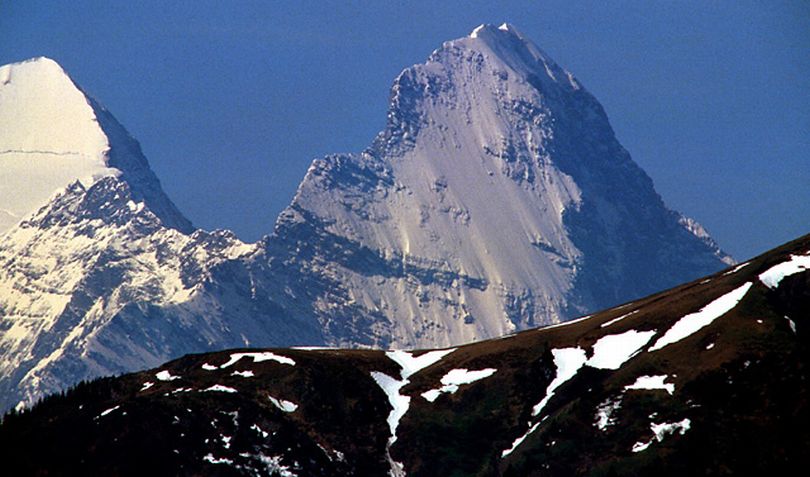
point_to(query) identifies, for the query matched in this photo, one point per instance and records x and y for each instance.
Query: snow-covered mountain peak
(52, 134)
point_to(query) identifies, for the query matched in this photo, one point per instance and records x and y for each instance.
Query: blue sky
(232, 100)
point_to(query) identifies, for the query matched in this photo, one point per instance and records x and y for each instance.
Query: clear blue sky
(232, 100)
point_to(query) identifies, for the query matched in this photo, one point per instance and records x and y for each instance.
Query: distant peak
(38, 63)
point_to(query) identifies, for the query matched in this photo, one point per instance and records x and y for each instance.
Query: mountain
(709, 378)
(106, 276)
(497, 198)
(54, 135)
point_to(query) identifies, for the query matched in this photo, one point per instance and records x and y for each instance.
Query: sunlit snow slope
(52, 135)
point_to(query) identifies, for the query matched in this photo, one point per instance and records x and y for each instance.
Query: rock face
(496, 199)
(685, 382)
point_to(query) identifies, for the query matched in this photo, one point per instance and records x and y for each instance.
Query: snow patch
(568, 362)
(217, 460)
(520, 440)
(566, 323)
(244, 374)
(695, 321)
(209, 367)
(662, 430)
(146, 386)
(286, 406)
(257, 358)
(611, 351)
(640, 446)
(652, 382)
(737, 268)
(259, 430)
(792, 324)
(399, 403)
(411, 365)
(107, 411)
(604, 412)
(166, 376)
(774, 275)
(455, 378)
(616, 320)
(220, 388)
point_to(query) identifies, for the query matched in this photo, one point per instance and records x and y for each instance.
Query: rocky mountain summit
(497, 198)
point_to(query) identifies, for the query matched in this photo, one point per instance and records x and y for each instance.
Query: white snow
(611, 351)
(568, 361)
(286, 406)
(662, 430)
(652, 382)
(566, 323)
(710, 346)
(165, 375)
(519, 440)
(640, 446)
(477, 30)
(616, 320)
(50, 138)
(604, 412)
(774, 275)
(180, 390)
(107, 411)
(220, 388)
(695, 321)
(399, 403)
(412, 364)
(257, 358)
(209, 367)
(244, 374)
(146, 386)
(272, 465)
(792, 324)
(455, 378)
(261, 431)
(737, 268)
(217, 460)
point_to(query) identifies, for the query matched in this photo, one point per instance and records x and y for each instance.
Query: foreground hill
(709, 378)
